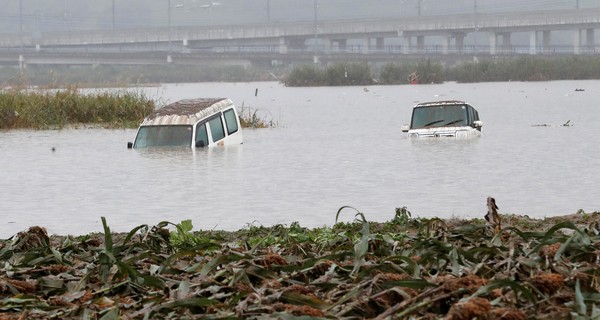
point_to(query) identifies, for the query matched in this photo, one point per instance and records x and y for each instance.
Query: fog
(37, 16)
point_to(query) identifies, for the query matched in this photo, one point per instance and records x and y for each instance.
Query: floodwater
(332, 147)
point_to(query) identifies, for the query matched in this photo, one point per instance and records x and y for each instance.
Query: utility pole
(475, 22)
(21, 23)
(268, 11)
(113, 20)
(113, 15)
(169, 23)
(316, 18)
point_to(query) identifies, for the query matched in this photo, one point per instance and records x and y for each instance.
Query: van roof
(187, 111)
(440, 103)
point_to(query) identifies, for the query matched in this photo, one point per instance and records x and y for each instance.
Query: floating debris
(566, 124)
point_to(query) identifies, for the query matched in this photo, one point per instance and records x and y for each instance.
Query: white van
(456, 119)
(192, 123)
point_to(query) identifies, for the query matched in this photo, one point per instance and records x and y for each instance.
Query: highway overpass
(489, 33)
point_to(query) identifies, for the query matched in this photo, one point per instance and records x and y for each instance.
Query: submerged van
(191, 123)
(444, 119)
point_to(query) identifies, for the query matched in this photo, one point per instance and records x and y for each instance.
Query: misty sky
(65, 15)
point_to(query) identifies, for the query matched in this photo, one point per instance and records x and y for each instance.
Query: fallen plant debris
(405, 268)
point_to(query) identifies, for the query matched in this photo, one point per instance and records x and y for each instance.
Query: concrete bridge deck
(446, 34)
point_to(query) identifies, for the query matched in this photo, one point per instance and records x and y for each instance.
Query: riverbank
(493, 69)
(352, 73)
(405, 267)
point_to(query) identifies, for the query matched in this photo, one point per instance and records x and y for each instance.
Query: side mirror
(404, 128)
(478, 124)
(200, 144)
(129, 145)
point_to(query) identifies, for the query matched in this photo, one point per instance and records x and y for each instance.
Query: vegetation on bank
(526, 68)
(339, 74)
(405, 71)
(126, 76)
(405, 268)
(59, 108)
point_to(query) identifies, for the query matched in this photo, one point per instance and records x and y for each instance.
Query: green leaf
(50, 282)
(218, 260)
(190, 302)
(342, 208)
(558, 226)
(108, 244)
(454, 261)
(111, 314)
(186, 226)
(133, 232)
(153, 281)
(579, 299)
(301, 299)
(409, 283)
(515, 286)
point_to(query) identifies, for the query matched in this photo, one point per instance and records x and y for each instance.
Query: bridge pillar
(379, 44)
(366, 43)
(21, 63)
(283, 48)
(421, 44)
(406, 47)
(327, 42)
(460, 41)
(590, 41)
(577, 42)
(506, 45)
(546, 41)
(446, 43)
(342, 45)
(532, 42)
(493, 42)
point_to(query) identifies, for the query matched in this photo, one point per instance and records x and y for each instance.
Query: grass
(56, 109)
(255, 118)
(20, 108)
(403, 268)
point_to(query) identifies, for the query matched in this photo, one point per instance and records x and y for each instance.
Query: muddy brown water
(332, 147)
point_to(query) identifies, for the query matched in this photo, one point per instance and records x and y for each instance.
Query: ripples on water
(333, 147)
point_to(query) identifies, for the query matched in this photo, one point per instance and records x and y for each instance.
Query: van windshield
(164, 136)
(439, 116)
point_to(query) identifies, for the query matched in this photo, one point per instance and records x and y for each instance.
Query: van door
(231, 120)
(217, 131)
(201, 139)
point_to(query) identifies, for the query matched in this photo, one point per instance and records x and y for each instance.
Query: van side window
(231, 121)
(216, 128)
(201, 134)
(471, 116)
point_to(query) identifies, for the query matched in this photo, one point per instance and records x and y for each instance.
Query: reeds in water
(55, 109)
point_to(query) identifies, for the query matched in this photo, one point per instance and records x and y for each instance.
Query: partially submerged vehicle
(191, 123)
(444, 119)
